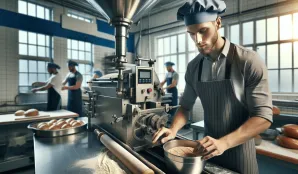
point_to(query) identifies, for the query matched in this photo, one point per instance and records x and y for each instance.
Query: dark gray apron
(223, 114)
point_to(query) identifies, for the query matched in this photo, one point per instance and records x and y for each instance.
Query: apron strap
(229, 62)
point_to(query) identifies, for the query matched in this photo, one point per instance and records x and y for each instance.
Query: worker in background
(53, 85)
(232, 83)
(171, 79)
(96, 74)
(74, 79)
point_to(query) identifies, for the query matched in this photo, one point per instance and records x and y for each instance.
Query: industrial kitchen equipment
(127, 104)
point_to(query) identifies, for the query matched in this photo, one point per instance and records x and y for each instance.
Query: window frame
(51, 18)
(255, 45)
(84, 62)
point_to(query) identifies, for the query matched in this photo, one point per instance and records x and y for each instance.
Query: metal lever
(116, 119)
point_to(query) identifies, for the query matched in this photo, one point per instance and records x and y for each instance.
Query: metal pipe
(139, 157)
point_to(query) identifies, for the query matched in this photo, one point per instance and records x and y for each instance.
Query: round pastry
(54, 127)
(69, 120)
(75, 124)
(287, 142)
(290, 130)
(66, 126)
(19, 113)
(60, 120)
(51, 122)
(31, 113)
(40, 124)
(81, 122)
(44, 127)
(73, 121)
(59, 124)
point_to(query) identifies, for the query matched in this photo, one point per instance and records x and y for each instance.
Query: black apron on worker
(74, 103)
(174, 92)
(223, 114)
(54, 100)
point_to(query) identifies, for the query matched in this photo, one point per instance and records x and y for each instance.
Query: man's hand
(210, 147)
(64, 88)
(168, 134)
(34, 90)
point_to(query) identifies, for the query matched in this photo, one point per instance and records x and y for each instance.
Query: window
(82, 53)
(248, 33)
(80, 17)
(178, 48)
(277, 44)
(34, 10)
(34, 44)
(234, 34)
(222, 32)
(31, 71)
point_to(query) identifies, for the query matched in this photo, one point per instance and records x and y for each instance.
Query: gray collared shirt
(250, 71)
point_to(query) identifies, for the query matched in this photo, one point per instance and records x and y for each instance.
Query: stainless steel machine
(127, 104)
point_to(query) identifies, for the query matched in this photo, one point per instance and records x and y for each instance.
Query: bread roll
(40, 124)
(31, 113)
(287, 142)
(59, 124)
(276, 110)
(72, 122)
(290, 130)
(60, 120)
(75, 124)
(50, 123)
(54, 127)
(44, 127)
(66, 126)
(19, 113)
(69, 120)
(81, 122)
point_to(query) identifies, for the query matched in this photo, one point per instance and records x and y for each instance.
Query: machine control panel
(145, 76)
(144, 88)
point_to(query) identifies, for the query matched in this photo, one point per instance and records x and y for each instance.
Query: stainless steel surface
(56, 133)
(183, 165)
(77, 154)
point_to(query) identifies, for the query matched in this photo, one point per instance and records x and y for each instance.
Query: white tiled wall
(9, 55)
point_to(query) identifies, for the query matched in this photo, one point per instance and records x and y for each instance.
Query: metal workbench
(78, 153)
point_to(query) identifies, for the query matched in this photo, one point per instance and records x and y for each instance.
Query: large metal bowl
(183, 165)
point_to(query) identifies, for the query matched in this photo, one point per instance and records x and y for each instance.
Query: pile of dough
(183, 151)
(31, 113)
(59, 124)
(19, 113)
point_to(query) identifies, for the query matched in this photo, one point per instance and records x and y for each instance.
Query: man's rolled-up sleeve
(189, 95)
(257, 92)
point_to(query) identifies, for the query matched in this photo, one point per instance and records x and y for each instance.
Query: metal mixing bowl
(183, 165)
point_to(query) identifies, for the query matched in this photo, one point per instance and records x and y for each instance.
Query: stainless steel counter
(77, 154)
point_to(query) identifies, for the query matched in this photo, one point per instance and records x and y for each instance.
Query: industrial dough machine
(128, 104)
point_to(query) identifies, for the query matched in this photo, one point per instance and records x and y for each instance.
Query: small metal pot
(183, 165)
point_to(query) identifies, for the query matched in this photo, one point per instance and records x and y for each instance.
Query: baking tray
(56, 133)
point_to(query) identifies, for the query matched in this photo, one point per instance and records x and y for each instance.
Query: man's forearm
(179, 120)
(72, 87)
(170, 86)
(252, 127)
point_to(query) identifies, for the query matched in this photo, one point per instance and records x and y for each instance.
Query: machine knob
(149, 90)
(143, 91)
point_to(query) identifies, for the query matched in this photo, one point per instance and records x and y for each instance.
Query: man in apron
(53, 85)
(74, 79)
(232, 83)
(171, 79)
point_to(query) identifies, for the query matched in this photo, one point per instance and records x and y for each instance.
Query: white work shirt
(56, 81)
